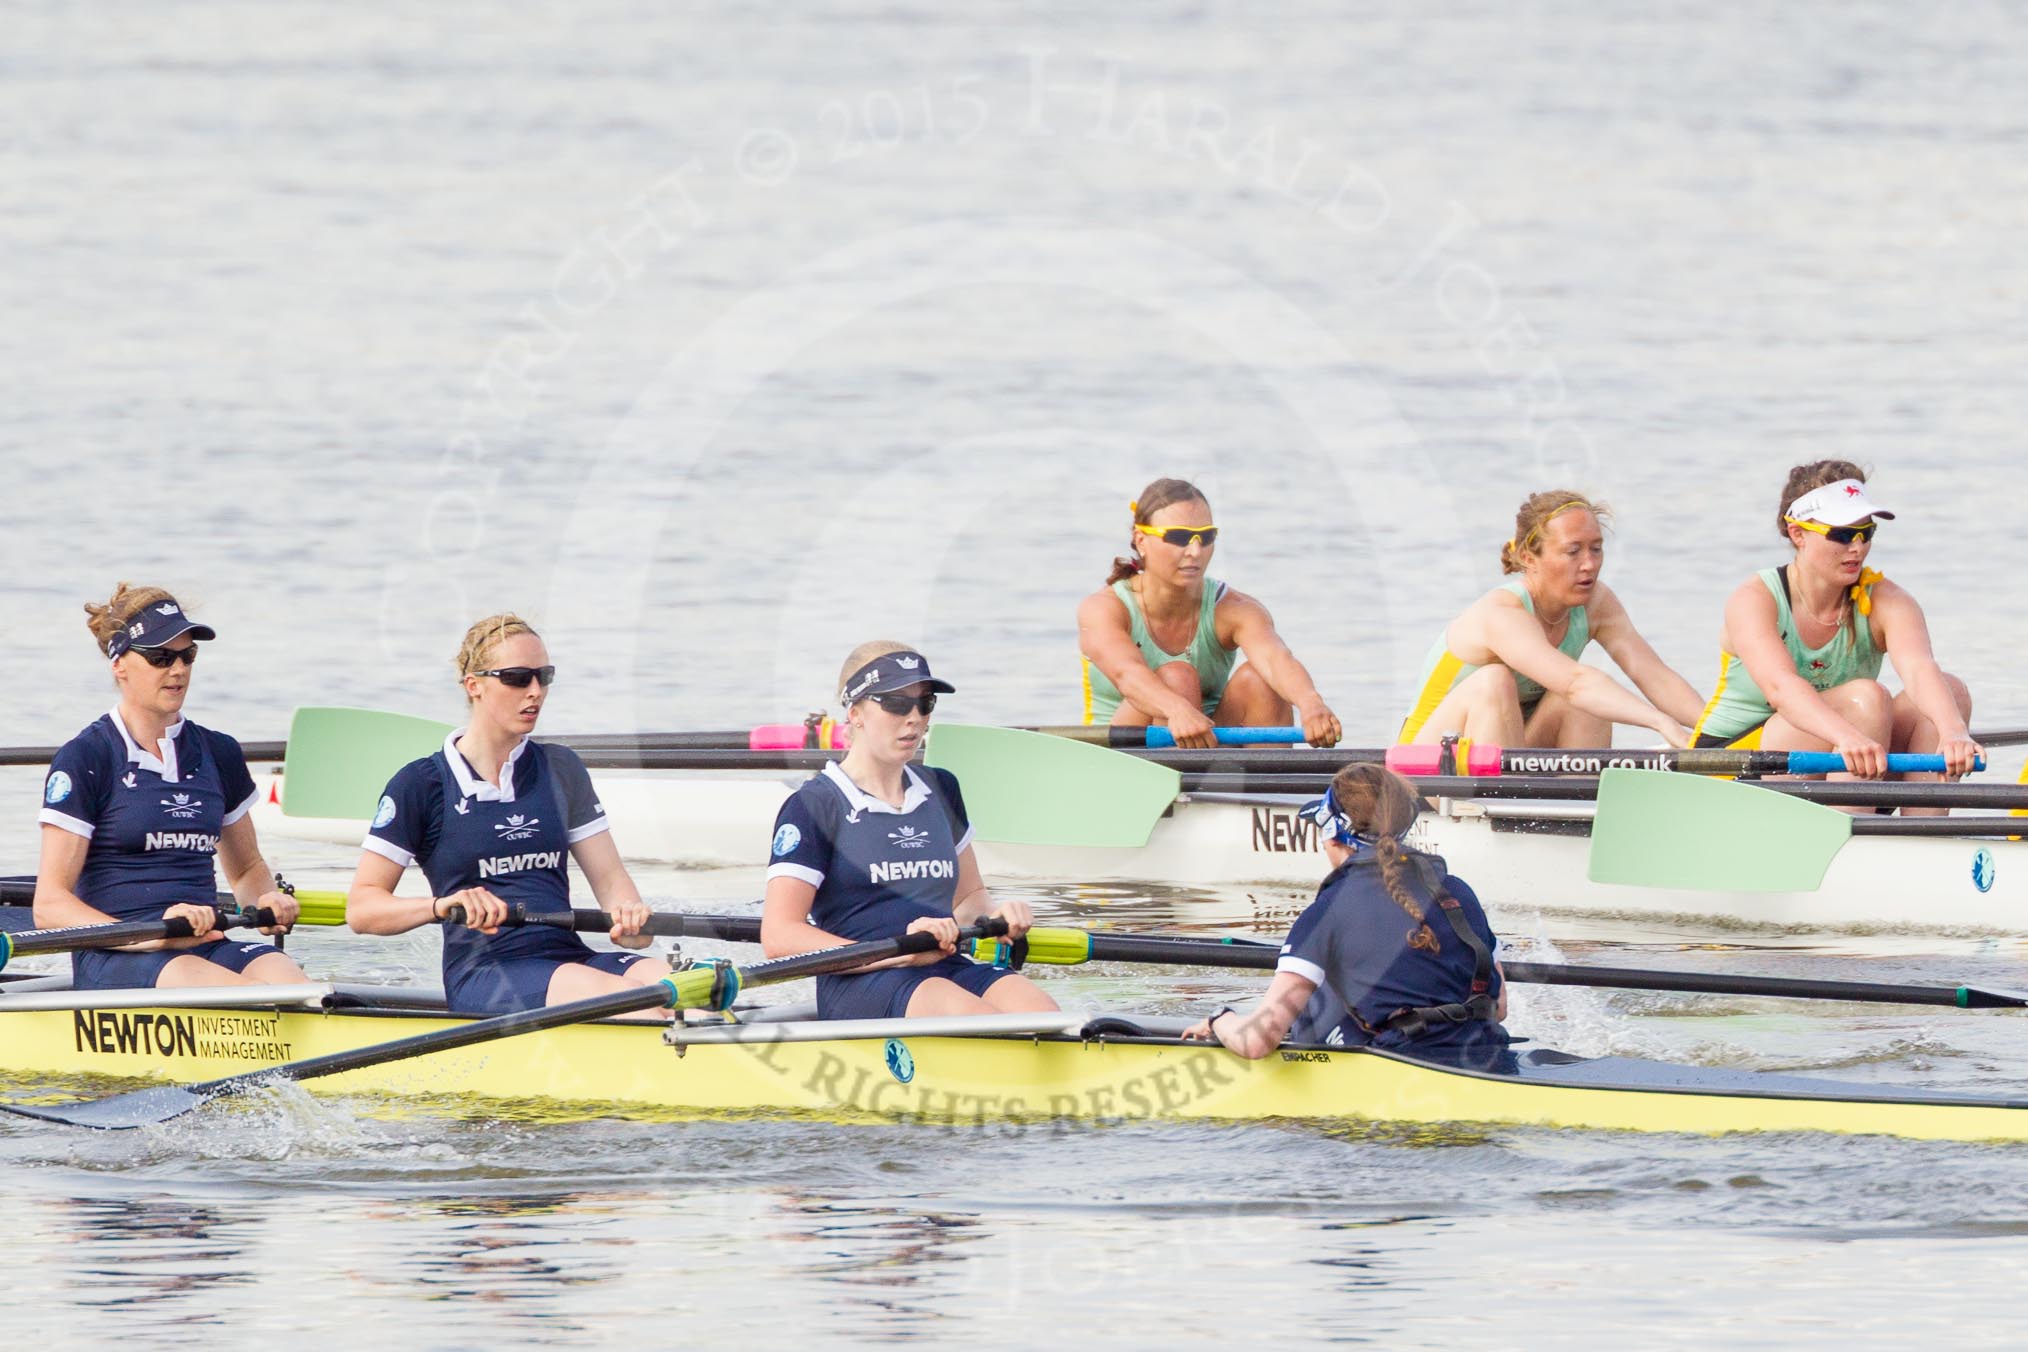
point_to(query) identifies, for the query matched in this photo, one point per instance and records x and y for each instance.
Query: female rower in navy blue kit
(490, 818)
(132, 834)
(875, 847)
(1393, 953)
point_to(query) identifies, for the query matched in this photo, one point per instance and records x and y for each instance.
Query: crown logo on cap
(907, 663)
(166, 608)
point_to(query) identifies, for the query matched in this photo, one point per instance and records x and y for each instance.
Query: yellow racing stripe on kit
(1442, 678)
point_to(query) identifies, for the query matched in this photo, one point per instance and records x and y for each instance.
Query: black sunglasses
(163, 658)
(1845, 535)
(902, 705)
(520, 677)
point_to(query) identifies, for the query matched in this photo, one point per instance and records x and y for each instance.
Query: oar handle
(1162, 738)
(70, 938)
(669, 924)
(1898, 763)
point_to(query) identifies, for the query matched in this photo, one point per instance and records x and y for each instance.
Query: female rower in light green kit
(1162, 641)
(1801, 646)
(1506, 672)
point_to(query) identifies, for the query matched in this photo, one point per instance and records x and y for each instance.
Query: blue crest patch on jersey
(385, 814)
(900, 1061)
(1984, 869)
(57, 789)
(786, 839)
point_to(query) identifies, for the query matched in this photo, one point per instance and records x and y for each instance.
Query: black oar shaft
(654, 996)
(1183, 951)
(1798, 988)
(740, 929)
(72, 937)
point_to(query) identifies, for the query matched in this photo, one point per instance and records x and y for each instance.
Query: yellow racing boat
(992, 1069)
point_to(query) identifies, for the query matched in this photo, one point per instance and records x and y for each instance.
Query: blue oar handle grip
(1899, 763)
(1161, 738)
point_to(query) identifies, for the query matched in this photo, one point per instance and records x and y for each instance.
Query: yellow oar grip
(1061, 947)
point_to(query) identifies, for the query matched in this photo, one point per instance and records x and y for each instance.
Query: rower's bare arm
(1245, 624)
(251, 880)
(1905, 631)
(598, 858)
(1631, 652)
(57, 904)
(371, 906)
(1105, 639)
(974, 903)
(1515, 637)
(1753, 634)
(1256, 1033)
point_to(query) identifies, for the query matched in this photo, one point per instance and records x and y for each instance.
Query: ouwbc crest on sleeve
(386, 812)
(786, 839)
(57, 789)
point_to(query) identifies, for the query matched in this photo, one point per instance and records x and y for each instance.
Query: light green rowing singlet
(1443, 669)
(1738, 705)
(1212, 661)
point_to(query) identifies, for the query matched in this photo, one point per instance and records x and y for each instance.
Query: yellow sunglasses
(1180, 536)
(1838, 535)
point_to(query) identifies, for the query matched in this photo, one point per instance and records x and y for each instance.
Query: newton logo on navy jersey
(906, 869)
(181, 840)
(517, 863)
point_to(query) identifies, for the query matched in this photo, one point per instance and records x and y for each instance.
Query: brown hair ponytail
(1381, 805)
(1157, 495)
(124, 604)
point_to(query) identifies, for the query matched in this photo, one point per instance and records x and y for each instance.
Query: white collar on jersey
(469, 784)
(916, 794)
(164, 764)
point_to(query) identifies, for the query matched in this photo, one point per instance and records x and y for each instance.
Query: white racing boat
(1517, 854)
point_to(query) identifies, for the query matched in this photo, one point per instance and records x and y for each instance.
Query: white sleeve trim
(799, 872)
(49, 816)
(966, 843)
(596, 826)
(376, 845)
(1302, 967)
(243, 808)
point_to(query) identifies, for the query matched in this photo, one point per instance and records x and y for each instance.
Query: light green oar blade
(340, 759)
(1028, 788)
(1657, 829)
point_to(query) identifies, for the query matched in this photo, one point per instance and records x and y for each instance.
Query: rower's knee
(1016, 994)
(1249, 701)
(274, 969)
(941, 998)
(1493, 685)
(1866, 705)
(1182, 678)
(1961, 695)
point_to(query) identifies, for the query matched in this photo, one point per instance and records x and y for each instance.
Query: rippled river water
(719, 340)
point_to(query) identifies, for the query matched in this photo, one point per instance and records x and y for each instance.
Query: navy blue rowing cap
(156, 625)
(890, 672)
